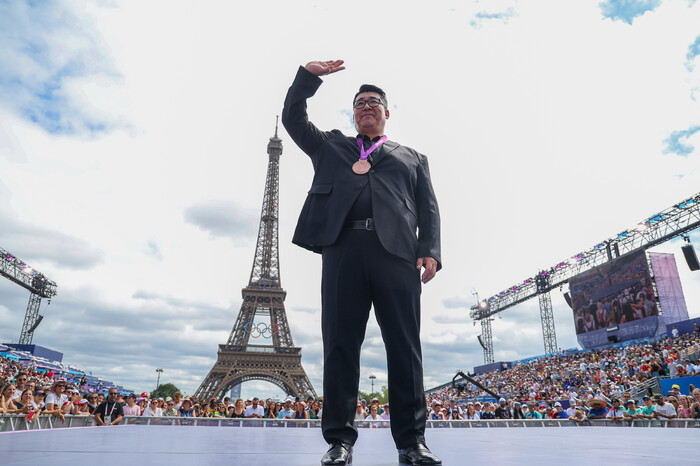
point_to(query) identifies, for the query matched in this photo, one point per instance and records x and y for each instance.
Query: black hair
(373, 88)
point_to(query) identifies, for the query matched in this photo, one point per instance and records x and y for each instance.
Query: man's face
(21, 380)
(112, 396)
(369, 120)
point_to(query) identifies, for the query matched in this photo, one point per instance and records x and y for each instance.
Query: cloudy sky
(133, 156)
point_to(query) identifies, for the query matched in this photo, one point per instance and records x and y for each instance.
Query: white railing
(13, 422)
(16, 422)
(451, 424)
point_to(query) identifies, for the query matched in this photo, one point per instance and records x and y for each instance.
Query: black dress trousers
(358, 273)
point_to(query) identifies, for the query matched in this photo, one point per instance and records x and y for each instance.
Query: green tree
(382, 396)
(165, 390)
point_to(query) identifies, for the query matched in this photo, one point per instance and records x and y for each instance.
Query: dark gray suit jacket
(404, 207)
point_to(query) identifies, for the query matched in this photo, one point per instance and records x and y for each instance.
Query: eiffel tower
(280, 361)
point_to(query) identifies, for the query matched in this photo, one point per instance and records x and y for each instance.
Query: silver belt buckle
(369, 224)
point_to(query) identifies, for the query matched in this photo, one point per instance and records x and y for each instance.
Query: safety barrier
(381, 423)
(14, 422)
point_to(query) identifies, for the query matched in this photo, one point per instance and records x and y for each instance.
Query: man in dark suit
(368, 198)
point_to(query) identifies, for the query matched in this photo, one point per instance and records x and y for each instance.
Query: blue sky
(132, 160)
(627, 10)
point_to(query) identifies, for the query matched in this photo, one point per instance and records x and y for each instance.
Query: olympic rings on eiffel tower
(251, 328)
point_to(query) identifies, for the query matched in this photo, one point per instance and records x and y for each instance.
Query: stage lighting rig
(658, 228)
(38, 285)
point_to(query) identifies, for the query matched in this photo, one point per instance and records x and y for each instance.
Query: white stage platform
(250, 446)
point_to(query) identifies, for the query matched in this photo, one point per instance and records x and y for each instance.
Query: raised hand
(322, 68)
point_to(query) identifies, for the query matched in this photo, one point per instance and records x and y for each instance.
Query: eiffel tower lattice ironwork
(278, 362)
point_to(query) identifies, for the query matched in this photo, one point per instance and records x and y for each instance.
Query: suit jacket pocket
(321, 189)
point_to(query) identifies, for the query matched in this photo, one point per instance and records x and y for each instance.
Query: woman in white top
(153, 410)
(57, 399)
(472, 414)
(373, 410)
(373, 414)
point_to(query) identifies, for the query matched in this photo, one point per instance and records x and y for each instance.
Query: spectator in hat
(631, 411)
(82, 407)
(186, 408)
(647, 411)
(502, 410)
(558, 412)
(375, 401)
(287, 411)
(131, 408)
(616, 414)
(663, 410)
(675, 390)
(38, 400)
(142, 404)
(597, 409)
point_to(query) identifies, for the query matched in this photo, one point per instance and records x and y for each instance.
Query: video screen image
(613, 294)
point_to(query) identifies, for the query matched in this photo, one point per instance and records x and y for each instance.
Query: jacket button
(371, 170)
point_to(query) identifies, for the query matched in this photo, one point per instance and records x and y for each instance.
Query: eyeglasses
(360, 104)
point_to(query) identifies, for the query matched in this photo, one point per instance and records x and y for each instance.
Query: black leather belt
(366, 224)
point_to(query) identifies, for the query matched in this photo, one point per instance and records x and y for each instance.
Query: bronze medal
(361, 167)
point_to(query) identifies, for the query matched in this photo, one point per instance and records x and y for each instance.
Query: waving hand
(322, 68)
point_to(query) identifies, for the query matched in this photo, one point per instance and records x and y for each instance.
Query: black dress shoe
(338, 454)
(418, 454)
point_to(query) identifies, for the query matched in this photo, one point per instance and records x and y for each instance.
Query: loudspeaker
(567, 297)
(612, 338)
(690, 257)
(478, 337)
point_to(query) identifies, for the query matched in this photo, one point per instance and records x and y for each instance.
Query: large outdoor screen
(613, 294)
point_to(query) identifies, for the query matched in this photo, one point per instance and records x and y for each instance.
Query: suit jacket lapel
(382, 151)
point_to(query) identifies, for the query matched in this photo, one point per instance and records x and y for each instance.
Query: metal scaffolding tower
(38, 285)
(656, 229)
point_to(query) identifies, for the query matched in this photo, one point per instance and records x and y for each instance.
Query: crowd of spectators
(536, 388)
(597, 384)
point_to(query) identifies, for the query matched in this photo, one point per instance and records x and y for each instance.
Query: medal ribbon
(364, 154)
